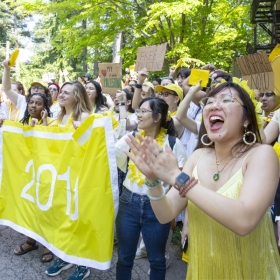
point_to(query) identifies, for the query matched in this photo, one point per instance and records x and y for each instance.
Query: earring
(249, 133)
(205, 144)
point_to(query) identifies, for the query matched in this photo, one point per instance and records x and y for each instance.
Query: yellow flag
(61, 193)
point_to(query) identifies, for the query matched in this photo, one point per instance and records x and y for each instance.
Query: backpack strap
(172, 141)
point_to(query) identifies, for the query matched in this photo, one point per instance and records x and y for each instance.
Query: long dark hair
(129, 96)
(248, 113)
(26, 116)
(159, 106)
(99, 100)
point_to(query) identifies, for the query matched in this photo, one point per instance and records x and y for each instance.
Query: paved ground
(29, 267)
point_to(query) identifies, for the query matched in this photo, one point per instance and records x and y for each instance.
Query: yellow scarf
(135, 175)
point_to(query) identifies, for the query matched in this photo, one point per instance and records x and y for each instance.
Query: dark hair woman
(37, 111)
(154, 122)
(94, 92)
(225, 195)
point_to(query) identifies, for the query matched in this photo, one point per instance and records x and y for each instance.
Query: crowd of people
(184, 153)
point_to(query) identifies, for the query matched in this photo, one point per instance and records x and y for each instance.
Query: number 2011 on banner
(64, 177)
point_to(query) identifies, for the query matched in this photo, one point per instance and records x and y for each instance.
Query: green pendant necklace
(216, 176)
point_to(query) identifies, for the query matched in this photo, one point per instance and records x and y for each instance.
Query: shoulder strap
(172, 141)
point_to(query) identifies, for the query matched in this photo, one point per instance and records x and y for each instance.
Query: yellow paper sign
(197, 74)
(13, 57)
(180, 62)
(275, 52)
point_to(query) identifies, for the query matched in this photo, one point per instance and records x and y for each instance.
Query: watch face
(183, 178)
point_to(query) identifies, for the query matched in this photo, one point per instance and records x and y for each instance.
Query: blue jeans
(136, 215)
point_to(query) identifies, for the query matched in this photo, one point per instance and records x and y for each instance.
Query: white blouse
(178, 150)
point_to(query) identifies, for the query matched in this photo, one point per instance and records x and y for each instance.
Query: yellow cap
(172, 87)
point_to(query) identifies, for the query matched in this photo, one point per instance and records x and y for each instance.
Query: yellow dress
(217, 253)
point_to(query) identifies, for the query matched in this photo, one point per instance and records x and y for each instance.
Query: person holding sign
(135, 213)
(222, 184)
(13, 111)
(19, 100)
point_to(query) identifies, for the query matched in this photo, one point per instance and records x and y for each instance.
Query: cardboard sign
(197, 74)
(275, 52)
(256, 69)
(110, 75)
(276, 69)
(151, 58)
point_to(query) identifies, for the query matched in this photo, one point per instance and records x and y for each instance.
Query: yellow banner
(60, 192)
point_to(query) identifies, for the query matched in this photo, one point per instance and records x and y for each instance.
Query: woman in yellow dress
(229, 188)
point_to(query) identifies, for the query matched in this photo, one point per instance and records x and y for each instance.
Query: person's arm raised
(270, 132)
(6, 84)
(181, 115)
(142, 75)
(198, 95)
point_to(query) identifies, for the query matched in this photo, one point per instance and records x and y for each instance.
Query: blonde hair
(82, 104)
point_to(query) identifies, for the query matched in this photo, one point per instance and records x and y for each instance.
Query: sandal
(48, 259)
(33, 246)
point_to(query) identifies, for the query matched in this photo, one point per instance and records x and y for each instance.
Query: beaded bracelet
(183, 191)
(153, 185)
(158, 197)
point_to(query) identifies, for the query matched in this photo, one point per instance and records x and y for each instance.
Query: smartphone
(185, 245)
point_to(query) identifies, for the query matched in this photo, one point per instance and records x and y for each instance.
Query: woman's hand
(44, 114)
(1, 122)
(120, 96)
(162, 162)
(172, 71)
(185, 233)
(5, 63)
(142, 75)
(76, 124)
(137, 156)
(33, 122)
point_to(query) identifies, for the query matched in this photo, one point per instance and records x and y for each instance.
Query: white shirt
(178, 150)
(55, 110)
(4, 113)
(120, 131)
(21, 105)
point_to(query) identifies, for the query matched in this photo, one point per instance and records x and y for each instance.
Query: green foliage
(73, 32)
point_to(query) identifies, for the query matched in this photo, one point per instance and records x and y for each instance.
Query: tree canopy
(72, 33)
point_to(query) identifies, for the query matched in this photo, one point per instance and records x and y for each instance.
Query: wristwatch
(181, 180)
(121, 104)
(138, 86)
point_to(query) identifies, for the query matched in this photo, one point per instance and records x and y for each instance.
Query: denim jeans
(136, 215)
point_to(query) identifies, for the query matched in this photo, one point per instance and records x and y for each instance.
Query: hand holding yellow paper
(13, 57)
(197, 74)
(180, 62)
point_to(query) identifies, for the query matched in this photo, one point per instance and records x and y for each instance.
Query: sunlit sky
(26, 51)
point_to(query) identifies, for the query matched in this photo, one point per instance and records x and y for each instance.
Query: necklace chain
(216, 176)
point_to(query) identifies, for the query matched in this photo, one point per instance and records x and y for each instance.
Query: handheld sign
(275, 63)
(110, 75)
(151, 58)
(256, 69)
(13, 57)
(197, 74)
